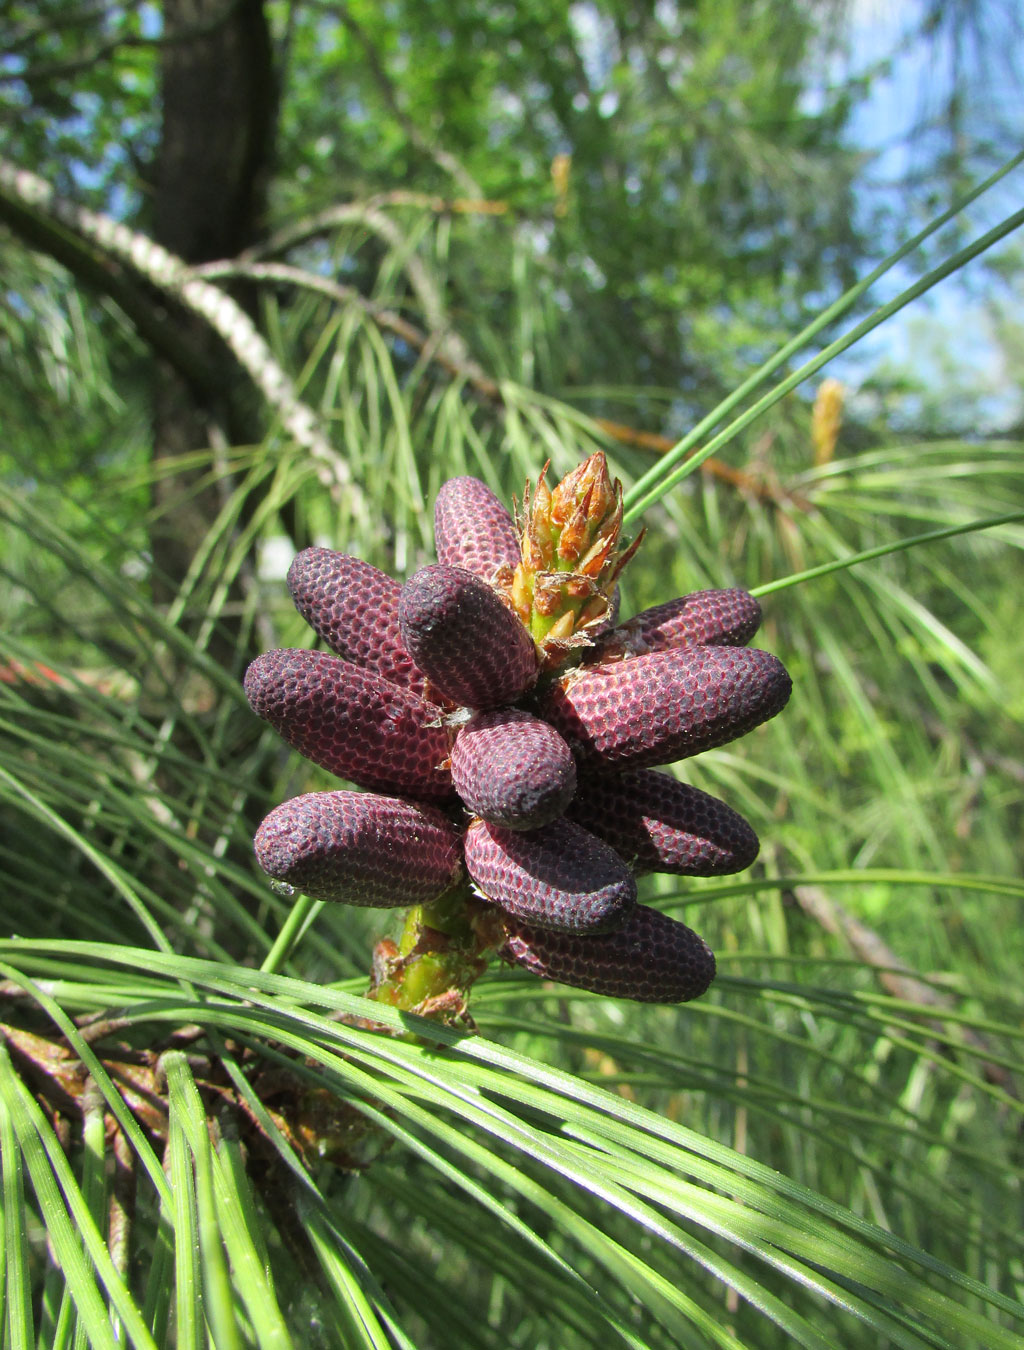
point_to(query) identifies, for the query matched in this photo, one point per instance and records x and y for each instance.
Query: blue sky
(946, 338)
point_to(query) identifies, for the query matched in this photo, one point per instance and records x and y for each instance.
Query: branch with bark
(124, 264)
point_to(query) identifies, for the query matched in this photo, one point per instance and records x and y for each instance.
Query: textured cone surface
(351, 722)
(661, 825)
(727, 618)
(665, 706)
(651, 958)
(354, 608)
(513, 769)
(472, 529)
(472, 648)
(360, 848)
(559, 876)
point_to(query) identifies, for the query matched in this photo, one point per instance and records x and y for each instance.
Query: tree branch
(378, 223)
(893, 974)
(27, 200)
(445, 349)
(58, 70)
(442, 158)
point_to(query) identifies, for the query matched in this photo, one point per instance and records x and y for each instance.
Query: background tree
(274, 272)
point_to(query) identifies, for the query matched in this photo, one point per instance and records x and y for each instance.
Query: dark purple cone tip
(721, 618)
(559, 876)
(661, 825)
(513, 769)
(650, 958)
(351, 722)
(665, 706)
(473, 529)
(359, 848)
(354, 608)
(471, 647)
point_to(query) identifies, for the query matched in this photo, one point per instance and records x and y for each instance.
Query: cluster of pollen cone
(505, 729)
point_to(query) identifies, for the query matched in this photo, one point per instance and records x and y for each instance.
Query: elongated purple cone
(651, 958)
(665, 706)
(661, 825)
(360, 848)
(559, 876)
(473, 529)
(726, 618)
(354, 608)
(513, 769)
(472, 648)
(351, 722)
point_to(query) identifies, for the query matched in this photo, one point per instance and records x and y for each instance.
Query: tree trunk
(219, 100)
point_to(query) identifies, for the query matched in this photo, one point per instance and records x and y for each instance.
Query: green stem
(659, 479)
(301, 915)
(840, 564)
(443, 950)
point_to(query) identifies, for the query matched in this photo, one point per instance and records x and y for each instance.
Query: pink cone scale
(351, 722)
(727, 618)
(651, 958)
(354, 608)
(473, 529)
(513, 769)
(359, 848)
(661, 825)
(559, 876)
(505, 725)
(665, 706)
(459, 632)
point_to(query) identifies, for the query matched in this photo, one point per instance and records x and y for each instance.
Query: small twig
(58, 70)
(445, 349)
(121, 1211)
(370, 218)
(225, 316)
(442, 158)
(751, 484)
(894, 975)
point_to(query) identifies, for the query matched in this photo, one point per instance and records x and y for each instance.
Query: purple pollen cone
(497, 687)
(661, 825)
(472, 648)
(558, 876)
(354, 608)
(724, 618)
(513, 769)
(351, 722)
(473, 529)
(360, 848)
(665, 706)
(651, 958)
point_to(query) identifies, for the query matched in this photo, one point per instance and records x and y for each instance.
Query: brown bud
(570, 558)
